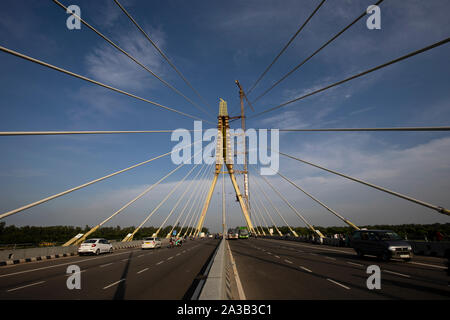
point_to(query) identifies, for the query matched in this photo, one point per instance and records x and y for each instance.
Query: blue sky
(214, 43)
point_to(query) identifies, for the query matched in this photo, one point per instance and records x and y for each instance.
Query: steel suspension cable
(267, 213)
(194, 232)
(320, 202)
(191, 213)
(130, 56)
(444, 128)
(257, 213)
(257, 209)
(41, 133)
(286, 46)
(159, 205)
(179, 200)
(147, 190)
(314, 53)
(161, 52)
(30, 133)
(187, 202)
(409, 55)
(274, 207)
(422, 203)
(85, 184)
(290, 206)
(45, 64)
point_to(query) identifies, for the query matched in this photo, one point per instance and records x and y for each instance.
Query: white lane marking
(113, 284)
(105, 265)
(306, 269)
(125, 259)
(269, 252)
(277, 257)
(169, 258)
(62, 264)
(287, 261)
(429, 265)
(141, 255)
(160, 262)
(28, 285)
(330, 258)
(143, 270)
(355, 264)
(184, 251)
(178, 254)
(339, 284)
(351, 253)
(241, 294)
(398, 274)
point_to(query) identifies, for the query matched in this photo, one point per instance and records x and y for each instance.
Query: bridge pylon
(224, 158)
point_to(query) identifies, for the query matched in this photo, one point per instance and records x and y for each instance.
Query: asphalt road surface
(125, 274)
(277, 269)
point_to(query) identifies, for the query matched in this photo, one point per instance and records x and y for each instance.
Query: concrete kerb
(9, 257)
(214, 288)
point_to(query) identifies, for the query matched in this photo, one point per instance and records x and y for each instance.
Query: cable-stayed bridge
(270, 264)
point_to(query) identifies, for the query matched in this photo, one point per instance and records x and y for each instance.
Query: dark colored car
(385, 244)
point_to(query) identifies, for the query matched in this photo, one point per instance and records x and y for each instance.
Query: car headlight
(409, 248)
(391, 248)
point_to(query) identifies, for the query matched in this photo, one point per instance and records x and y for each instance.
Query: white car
(95, 246)
(151, 243)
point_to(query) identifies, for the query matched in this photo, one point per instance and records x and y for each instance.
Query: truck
(243, 233)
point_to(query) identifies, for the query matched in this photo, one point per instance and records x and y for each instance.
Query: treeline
(60, 234)
(407, 231)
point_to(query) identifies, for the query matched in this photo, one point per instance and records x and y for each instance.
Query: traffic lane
(419, 264)
(395, 285)
(264, 276)
(98, 282)
(54, 272)
(173, 278)
(429, 274)
(39, 272)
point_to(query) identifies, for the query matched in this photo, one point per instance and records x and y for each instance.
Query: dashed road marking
(170, 258)
(288, 261)
(105, 265)
(276, 256)
(143, 270)
(306, 269)
(28, 285)
(160, 262)
(428, 265)
(339, 284)
(398, 274)
(113, 284)
(355, 264)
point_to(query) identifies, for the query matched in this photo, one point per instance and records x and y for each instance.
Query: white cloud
(107, 64)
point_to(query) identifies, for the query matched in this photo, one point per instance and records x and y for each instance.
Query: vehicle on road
(175, 242)
(95, 246)
(232, 234)
(151, 243)
(385, 244)
(243, 233)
